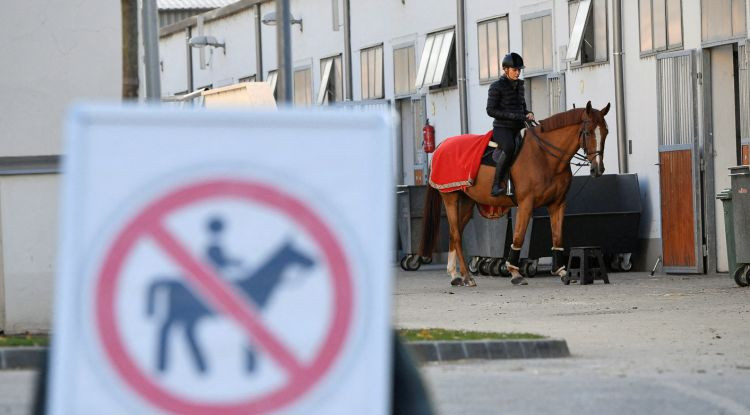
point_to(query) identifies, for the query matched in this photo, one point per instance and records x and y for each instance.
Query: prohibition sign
(222, 296)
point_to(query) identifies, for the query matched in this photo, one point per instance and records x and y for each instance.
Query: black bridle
(583, 135)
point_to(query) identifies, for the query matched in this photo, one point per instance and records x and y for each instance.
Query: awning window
(579, 27)
(271, 79)
(434, 60)
(324, 82)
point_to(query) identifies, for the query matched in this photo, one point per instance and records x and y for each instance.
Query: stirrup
(497, 191)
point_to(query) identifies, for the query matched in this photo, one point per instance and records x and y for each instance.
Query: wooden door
(679, 164)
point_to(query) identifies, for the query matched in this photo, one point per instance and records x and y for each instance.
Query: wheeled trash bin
(740, 177)
(410, 200)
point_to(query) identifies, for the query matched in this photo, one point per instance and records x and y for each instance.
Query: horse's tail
(152, 293)
(430, 222)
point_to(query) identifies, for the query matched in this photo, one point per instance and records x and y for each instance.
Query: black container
(603, 211)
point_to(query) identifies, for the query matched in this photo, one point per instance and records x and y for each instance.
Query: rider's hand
(530, 116)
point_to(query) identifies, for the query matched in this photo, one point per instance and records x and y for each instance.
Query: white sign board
(224, 263)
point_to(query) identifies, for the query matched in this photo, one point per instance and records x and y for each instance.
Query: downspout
(189, 59)
(347, 53)
(258, 46)
(622, 147)
(151, 49)
(461, 63)
(283, 53)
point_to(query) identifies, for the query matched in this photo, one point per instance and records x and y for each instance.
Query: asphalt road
(647, 345)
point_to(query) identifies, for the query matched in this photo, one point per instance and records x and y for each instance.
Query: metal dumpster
(603, 211)
(410, 201)
(740, 177)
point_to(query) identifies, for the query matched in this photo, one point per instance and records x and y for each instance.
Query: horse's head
(593, 133)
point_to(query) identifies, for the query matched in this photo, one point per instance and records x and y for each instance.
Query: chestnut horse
(541, 175)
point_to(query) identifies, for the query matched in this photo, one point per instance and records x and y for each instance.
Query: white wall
(173, 58)
(54, 53)
(28, 221)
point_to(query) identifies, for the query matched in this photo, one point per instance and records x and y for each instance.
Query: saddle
(490, 153)
(487, 158)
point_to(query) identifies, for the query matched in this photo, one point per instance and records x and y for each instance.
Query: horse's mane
(562, 119)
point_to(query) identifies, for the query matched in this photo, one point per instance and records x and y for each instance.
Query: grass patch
(20, 340)
(443, 334)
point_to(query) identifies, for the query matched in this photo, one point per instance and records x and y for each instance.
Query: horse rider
(507, 105)
(215, 252)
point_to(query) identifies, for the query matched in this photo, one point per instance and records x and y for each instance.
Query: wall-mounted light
(270, 20)
(203, 41)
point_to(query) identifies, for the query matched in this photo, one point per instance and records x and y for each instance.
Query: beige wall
(54, 53)
(28, 228)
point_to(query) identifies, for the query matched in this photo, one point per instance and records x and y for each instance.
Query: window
(403, 71)
(537, 43)
(371, 71)
(437, 66)
(331, 82)
(722, 20)
(271, 79)
(661, 25)
(537, 96)
(493, 46)
(588, 34)
(303, 87)
(250, 78)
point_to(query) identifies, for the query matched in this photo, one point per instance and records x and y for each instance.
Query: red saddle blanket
(455, 165)
(455, 162)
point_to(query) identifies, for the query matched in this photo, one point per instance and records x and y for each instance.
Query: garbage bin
(726, 200)
(740, 177)
(410, 201)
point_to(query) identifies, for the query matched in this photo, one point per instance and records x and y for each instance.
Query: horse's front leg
(556, 216)
(519, 233)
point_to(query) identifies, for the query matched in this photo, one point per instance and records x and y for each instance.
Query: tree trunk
(129, 49)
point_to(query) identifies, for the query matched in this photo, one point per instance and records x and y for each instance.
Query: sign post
(223, 263)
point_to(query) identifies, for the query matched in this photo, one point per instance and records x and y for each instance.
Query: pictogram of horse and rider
(185, 308)
(469, 170)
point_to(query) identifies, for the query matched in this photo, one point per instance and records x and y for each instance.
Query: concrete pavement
(639, 345)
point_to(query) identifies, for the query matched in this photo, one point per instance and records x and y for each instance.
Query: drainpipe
(189, 59)
(622, 147)
(347, 53)
(151, 49)
(283, 53)
(258, 46)
(461, 63)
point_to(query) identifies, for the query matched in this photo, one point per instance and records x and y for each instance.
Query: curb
(422, 351)
(442, 351)
(22, 357)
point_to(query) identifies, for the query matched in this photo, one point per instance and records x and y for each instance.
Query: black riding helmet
(513, 60)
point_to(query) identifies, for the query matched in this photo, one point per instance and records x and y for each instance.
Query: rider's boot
(498, 185)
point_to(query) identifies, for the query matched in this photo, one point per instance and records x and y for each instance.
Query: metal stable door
(679, 163)
(743, 58)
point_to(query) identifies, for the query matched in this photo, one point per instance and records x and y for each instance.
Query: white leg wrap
(452, 263)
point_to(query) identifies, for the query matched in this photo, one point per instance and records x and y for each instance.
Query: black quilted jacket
(506, 103)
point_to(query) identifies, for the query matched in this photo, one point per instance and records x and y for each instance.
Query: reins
(548, 147)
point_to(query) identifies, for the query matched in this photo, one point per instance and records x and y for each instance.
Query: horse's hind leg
(197, 356)
(465, 210)
(450, 200)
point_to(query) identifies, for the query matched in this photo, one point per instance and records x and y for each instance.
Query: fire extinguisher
(428, 137)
